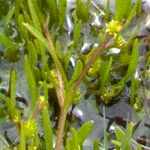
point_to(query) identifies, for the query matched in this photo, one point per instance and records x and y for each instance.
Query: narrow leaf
(34, 16)
(8, 17)
(116, 143)
(105, 76)
(11, 101)
(107, 11)
(22, 145)
(83, 10)
(13, 85)
(77, 71)
(119, 134)
(123, 9)
(72, 143)
(131, 15)
(58, 50)
(77, 33)
(36, 33)
(47, 127)
(52, 8)
(23, 30)
(31, 83)
(128, 136)
(40, 37)
(84, 131)
(32, 53)
(5, 41)
(62, 11)
(133, 60)
(96, 145)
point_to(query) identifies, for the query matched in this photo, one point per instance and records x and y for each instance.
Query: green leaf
(34, 16)
(40, 37)
(77, 72)
(96, 145)
(23, 30)
(84, 131)
(107, 11)
(139, 147)
(58, 50)
(83, 10)
(36, 33)
(133, 60)
(72, 143)
(62, 11)
(116, 143)
(40, 48)
(47, 127)
(11, 52)
(27, 18)
(11, 101)
(133, 89)
(131, 15)
(66, 59)
(119, 134)
(32, 53)
(77, 33)
(8, 17)
(128, 136)
(52, 8)
(123, 9)
(6, 41)
(52, 52)
(139, 8)
(105, 75)
(31, 83)
(22, 145)
(17, 8)
(131, 38)
(13, 85)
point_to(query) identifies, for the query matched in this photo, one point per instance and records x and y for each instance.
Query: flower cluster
(41, 102)
(16, 119)
(30, 128)
(119, 40)
(113, 27)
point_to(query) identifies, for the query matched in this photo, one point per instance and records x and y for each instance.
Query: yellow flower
(119, 40)
(30, 128)
(41, 102)
(16, 119)
(93, 71)
(113, 27)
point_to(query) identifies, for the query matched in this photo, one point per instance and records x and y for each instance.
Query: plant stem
(92, 59)
(61, 80)
(60, 88)
(60, 132)
(52, 47)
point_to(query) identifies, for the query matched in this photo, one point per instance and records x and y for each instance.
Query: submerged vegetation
(67, 53)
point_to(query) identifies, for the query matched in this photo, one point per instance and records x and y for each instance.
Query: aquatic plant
(46, 60)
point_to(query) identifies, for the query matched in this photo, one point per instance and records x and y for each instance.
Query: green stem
(60, 131)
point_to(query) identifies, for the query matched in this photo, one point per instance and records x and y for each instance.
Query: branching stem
(60, 83)
(59, 90)
(92, 59)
